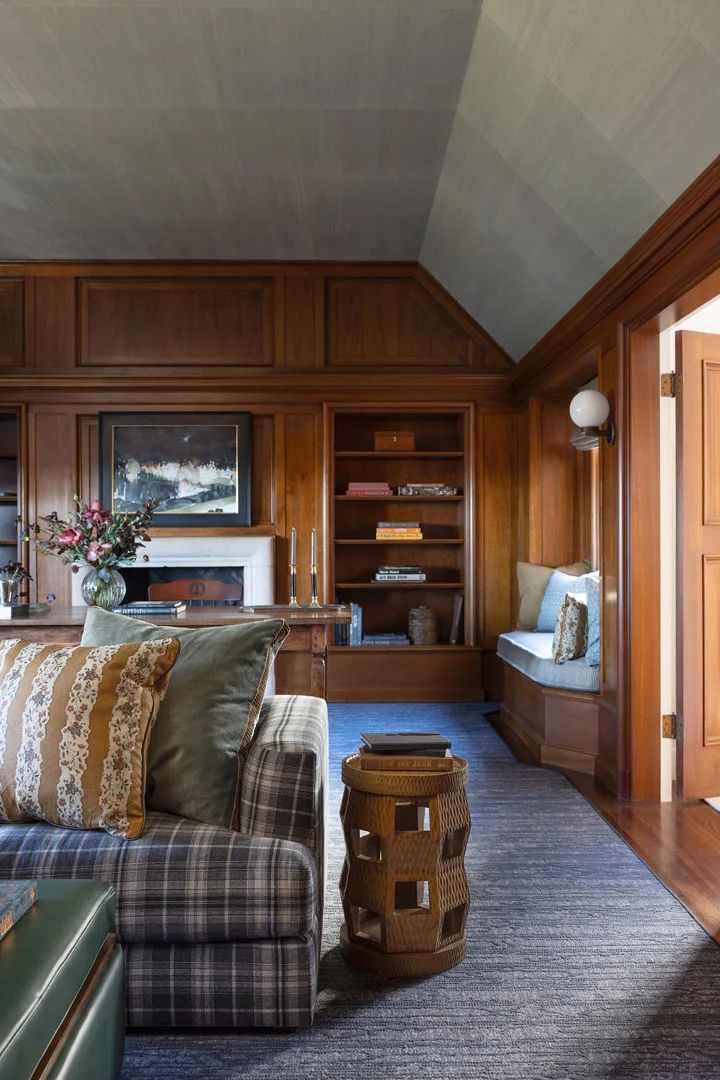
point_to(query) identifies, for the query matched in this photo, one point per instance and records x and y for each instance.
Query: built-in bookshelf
(440, 457)
(10, 498)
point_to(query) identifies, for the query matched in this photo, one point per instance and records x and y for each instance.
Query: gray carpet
(580, 963)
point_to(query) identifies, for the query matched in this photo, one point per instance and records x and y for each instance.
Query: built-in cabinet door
(698, 538)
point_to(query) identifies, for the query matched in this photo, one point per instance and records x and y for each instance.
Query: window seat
(531, 653)
(554, 709)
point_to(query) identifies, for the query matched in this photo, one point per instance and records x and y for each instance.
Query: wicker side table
(404, 888)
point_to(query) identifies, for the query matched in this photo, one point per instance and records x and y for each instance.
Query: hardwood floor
(679, 841)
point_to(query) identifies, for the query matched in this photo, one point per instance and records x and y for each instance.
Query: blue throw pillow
(558, 585)
(592, 584)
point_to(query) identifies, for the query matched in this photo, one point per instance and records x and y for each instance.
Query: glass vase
(103, 587)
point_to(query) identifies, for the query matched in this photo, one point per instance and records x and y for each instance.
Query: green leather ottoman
(62, 1010)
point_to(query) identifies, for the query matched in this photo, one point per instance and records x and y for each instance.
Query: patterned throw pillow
(570, 638)
(74, 730)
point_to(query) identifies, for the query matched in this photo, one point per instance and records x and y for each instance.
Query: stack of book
(368, 487)
(406, 751)
(160, 608)
(398, 530)
(16, 897)
(400, 573)
(428, 489)
(386, 639)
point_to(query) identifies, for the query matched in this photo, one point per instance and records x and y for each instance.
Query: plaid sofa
(219, 928)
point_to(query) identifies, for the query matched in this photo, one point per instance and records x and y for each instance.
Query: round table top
(412, 783)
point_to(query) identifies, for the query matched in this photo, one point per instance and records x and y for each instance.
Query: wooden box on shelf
(395, 440)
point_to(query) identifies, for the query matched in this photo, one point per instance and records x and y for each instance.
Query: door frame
(639, 562)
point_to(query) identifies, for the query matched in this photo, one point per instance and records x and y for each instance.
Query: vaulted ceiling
(516, 148)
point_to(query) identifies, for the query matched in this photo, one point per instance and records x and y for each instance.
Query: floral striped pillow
(74, 731)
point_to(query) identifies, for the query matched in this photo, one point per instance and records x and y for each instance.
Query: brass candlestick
(314, 602)
(293, 568)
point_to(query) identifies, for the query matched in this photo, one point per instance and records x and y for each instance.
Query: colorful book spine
(355, 624)
(16, 897)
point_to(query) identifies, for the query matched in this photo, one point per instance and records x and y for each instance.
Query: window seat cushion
(530, 652)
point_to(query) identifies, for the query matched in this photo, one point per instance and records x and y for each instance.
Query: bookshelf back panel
(433, 432)
(397, 471)
(359, 564)
(357, 521)
(440, 457)
(389, 611)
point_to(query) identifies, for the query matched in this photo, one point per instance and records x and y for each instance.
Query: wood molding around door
(639, 644)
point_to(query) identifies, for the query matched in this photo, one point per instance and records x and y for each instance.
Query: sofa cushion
(206, 722)
(531, 653)
(182, 881)
(74, 731)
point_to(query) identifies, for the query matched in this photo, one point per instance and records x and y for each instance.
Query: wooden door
(698, 544)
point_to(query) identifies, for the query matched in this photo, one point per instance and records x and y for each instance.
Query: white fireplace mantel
(253, 553)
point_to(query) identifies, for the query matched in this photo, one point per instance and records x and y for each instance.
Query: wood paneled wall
(147, 319)
(279, 341)
(669, 272)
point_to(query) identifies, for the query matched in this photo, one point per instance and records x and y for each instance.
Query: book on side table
(16, 897)
(406, 751)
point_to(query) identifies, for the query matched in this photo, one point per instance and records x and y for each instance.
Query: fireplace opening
(140, 578)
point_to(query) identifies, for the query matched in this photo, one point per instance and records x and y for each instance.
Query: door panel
(698, 536)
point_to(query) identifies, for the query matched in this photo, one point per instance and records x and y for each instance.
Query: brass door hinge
(670, 726)
(670, 384)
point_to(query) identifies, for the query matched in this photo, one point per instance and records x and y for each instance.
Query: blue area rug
(580, 963)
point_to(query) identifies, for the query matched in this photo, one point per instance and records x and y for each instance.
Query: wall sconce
(589, 410)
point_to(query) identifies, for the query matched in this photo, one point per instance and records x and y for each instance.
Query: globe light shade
(589, 409)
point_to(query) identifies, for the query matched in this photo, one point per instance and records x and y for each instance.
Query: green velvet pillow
(206, 721)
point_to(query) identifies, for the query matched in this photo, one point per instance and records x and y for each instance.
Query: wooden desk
(301, 666)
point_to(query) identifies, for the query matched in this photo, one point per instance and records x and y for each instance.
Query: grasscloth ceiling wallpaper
(516, 147)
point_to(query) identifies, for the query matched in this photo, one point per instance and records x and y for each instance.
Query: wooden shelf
(427, 455)
(8, 500)
(8, 543)
(400, 585)
(401, 498)
(418, 543)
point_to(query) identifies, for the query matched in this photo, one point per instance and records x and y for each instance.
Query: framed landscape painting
(196, 465)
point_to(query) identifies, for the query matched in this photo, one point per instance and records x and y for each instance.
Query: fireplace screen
(198, 586)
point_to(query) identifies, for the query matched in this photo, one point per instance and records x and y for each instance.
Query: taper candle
(293, 547)
(313, 547)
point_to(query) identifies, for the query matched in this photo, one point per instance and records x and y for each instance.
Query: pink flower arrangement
(93, 536)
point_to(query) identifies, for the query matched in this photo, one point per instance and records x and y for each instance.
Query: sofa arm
(284, 783)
